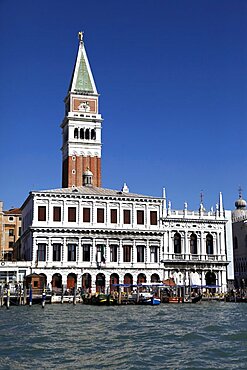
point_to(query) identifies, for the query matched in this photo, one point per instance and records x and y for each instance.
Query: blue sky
(173, 82)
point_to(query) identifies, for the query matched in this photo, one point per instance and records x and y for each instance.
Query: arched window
(82, 133)
(193, 244)
(209, 244)
(177, 243)
(76, 133)
(87, 134)
(93, 134)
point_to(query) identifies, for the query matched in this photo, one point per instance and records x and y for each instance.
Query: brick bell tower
(81, 125)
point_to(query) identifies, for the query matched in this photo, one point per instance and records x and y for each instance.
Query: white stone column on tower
(221, 208)
(164, 206)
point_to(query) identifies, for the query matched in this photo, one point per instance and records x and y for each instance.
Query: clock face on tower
(86, 105)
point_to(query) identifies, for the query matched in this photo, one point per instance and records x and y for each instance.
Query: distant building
(10, 231)
(239, 226)
(92, 237)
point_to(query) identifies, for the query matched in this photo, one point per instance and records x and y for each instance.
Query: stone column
(148, 253)
(79, 250)
(219, 282)
(203, 245)
(94, 252)
(182, 243)
(214, 243)
(64, 251)
(134, 254)
(49, 251)
(120, 252)
(186, 245)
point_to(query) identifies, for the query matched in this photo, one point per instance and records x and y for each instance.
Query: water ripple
(207, 335)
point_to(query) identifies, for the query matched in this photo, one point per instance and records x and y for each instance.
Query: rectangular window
(113, 216)
(127, 253)
(153, 218)
(71, 252)
(86, 252)
(57, 252)
(153, 254)
(19, 231)
(57, 214)
(140, 217)
(113, 253)
(140, 253)
(71, 214)
(11, 232)
(86, 214)
(126, 216)
(41, 213)
(100, 215)
(11, 244)
(41, 252)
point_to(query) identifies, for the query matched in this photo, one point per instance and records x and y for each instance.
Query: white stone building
(97, 237)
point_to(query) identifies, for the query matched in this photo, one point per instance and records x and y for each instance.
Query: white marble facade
(121, 237)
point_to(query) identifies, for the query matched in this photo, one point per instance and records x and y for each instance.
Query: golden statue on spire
(80, 36)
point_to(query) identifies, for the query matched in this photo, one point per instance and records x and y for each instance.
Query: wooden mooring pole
(8, 297)
(74, 297)
(43, 298)
(1, 296)
(30, 295)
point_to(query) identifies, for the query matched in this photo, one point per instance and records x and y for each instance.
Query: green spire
(82, 78)
(83, 82)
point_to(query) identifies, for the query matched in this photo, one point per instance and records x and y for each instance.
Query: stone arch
(43, 279)
(100, 283)
(56, 281)
(128, 279)
(76, 133)
(210, 278)
(193, 243)
(209, 244)
(114, 279)
(93, 134)
(177, 243)
(86, 282)
(141, 278)
(87, 134)
(155, 278)
(82, 133)
(71, 280)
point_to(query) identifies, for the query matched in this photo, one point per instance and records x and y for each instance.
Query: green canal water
(208, 335)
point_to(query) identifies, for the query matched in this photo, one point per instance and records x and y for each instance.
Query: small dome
(87, 178)
(87, 172)
(240, 203)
